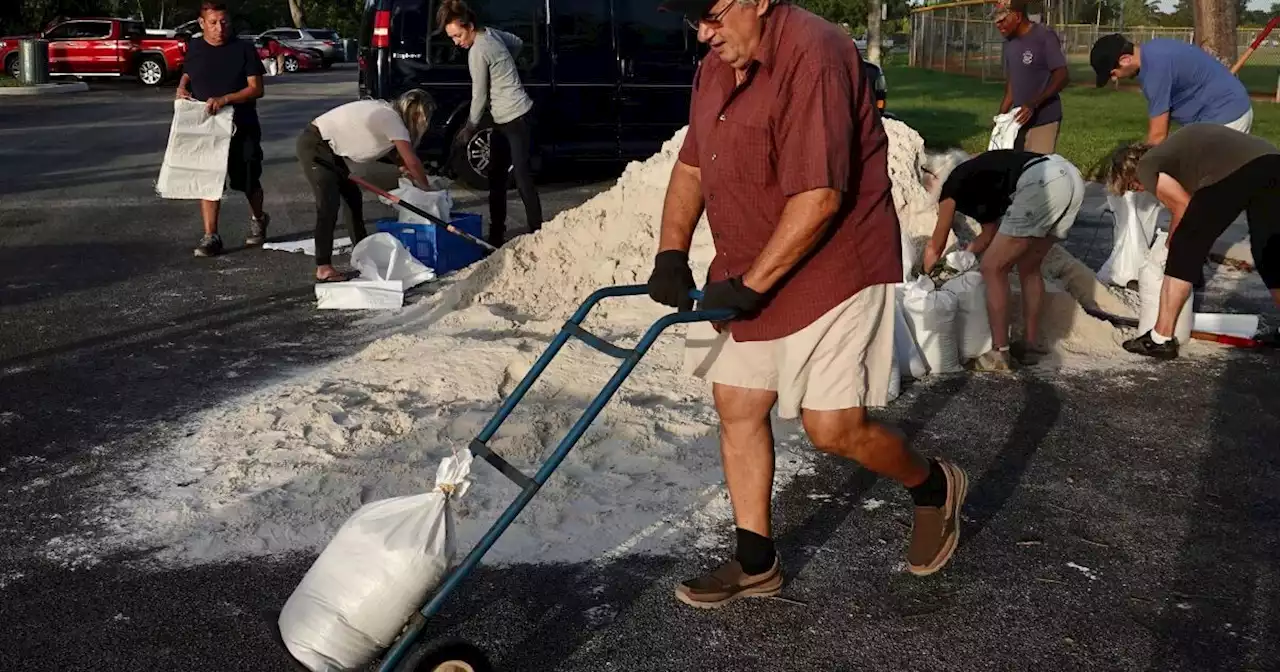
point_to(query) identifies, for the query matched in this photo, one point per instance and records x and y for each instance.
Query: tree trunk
(874, 8)
(1215, 26)
(295, 11)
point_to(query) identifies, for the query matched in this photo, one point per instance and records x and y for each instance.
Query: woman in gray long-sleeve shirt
(495, 83)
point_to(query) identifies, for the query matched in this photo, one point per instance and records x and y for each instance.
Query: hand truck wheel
(450, 656)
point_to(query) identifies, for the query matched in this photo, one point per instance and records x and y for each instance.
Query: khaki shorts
(842, 360)
(1045, 201)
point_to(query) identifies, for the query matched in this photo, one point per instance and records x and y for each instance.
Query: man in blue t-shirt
(1035, 73)
(221, 70)
(1181, 82)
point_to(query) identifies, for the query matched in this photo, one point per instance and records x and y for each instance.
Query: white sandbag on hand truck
(195, 161)
(377, 570)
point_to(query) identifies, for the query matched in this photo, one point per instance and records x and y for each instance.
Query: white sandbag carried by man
(378, 569)
(195, 160)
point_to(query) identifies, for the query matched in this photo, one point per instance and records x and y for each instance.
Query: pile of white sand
(280, 469)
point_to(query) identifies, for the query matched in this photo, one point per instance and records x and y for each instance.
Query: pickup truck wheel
(151, 71)
(13, 67)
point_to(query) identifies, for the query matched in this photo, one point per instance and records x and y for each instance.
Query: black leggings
(327, 174)
(509, 149)
(1253, 189)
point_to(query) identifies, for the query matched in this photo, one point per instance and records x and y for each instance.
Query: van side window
(582, 25)
(645, 31)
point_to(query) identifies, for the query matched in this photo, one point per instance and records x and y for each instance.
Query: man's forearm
(942, 230)
(681, 209)
(185, 82)
(244, 95)
(805, 219)
(1006, 103)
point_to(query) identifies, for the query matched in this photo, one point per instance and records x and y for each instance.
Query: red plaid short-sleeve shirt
(804, 119)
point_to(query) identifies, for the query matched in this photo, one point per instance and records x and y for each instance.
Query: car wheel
(470, 162)
(13, 67)
(290, 64)
(151, 71)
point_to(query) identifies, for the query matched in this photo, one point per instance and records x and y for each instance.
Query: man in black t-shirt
(222, 70)
(1025, 203)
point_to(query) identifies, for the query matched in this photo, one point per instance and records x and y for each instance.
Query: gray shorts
(1045, 201)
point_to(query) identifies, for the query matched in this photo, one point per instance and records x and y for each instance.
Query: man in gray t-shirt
(1206, 174)
(1035, 73)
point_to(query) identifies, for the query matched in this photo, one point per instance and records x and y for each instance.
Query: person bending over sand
(1206, 174)
(1025, 202)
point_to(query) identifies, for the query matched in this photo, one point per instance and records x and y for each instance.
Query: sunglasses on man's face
(709, 19)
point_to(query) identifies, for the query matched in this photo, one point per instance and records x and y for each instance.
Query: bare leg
(849, 433)
(996, 264)
(746, 449)
(209, 211)
(1033, 288)
(1173, 295)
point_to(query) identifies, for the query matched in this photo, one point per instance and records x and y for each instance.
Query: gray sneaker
(257, 230)
(210, 246)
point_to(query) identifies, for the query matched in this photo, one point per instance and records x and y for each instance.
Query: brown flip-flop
(339, 277)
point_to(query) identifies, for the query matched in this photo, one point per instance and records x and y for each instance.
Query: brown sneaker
(992, 361)
(727, 583)
(936, 530)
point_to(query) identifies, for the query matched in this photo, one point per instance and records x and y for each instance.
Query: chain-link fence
(961, 37)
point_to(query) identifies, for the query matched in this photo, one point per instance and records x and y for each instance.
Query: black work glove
(672, 280)
(732, 294)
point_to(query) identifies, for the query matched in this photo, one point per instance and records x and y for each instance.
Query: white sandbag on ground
(379, 568)
(931, 314)
(909, 360)
(195, 160)
(1004, 131)
(1149, 282)
(1136, 214)
(972, 325)
(387, 271)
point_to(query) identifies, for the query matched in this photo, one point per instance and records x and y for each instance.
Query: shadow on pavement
(1221, 611)
(988, 493)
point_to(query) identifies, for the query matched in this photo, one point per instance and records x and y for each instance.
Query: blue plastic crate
(440, 250)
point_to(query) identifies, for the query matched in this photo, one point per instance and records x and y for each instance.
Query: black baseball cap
(689, 9)
(1105, 55)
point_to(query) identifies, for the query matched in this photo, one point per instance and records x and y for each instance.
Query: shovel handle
(421, 213)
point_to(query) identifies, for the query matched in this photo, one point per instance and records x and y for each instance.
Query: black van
(609, 79)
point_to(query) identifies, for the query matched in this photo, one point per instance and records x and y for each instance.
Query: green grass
(1258, 77)
(951, 110)
(9, 81)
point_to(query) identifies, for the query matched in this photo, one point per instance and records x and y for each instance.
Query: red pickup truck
(103, 48)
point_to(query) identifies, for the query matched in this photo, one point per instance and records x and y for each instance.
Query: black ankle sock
(933, 492)
(755, 553)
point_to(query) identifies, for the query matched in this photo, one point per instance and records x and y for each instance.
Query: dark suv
(610, 79)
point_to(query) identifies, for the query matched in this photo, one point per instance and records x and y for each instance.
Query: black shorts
(1254, 189)
(244, 162)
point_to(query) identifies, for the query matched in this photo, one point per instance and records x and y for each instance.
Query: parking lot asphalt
(1120, 518)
